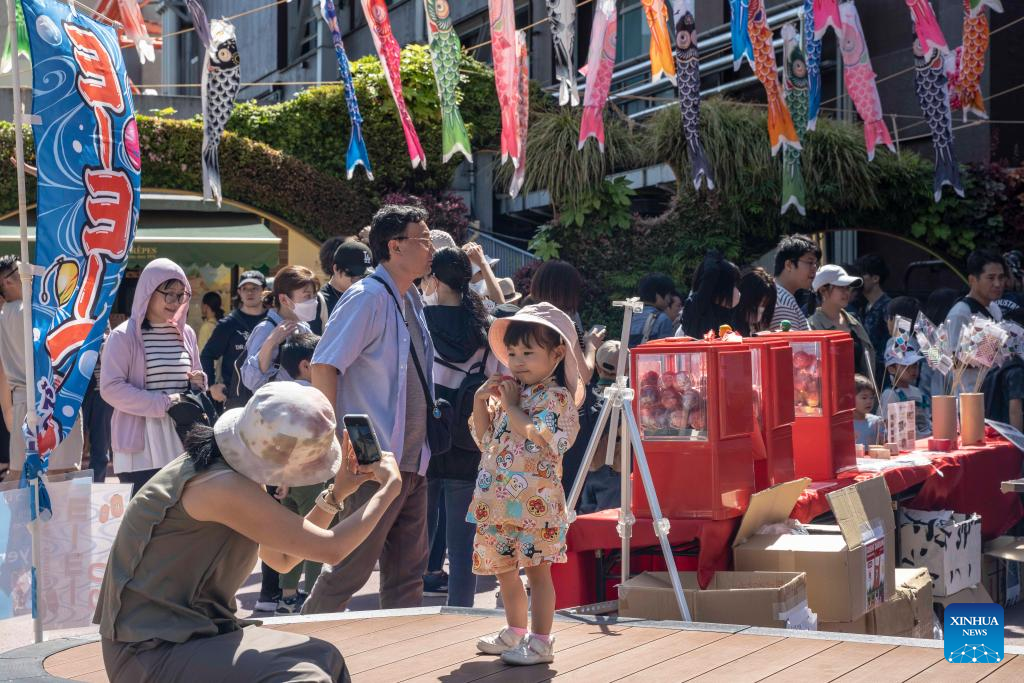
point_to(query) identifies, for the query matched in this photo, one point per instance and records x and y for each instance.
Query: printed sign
(75, 545)
(900, 426)
(973, 633)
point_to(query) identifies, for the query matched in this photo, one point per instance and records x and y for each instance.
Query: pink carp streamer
(826, 15)
(927, 26)
(519, 174)
(600, 64)
(505, 55)
(662, 59)
(390, 54)
(860, 80)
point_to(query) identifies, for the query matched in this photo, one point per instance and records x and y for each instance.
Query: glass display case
(673, 397)
(807, 378)
(823, 397)
(774, 410)
(696, 421)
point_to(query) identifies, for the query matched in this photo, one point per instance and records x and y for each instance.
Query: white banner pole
(25, 272)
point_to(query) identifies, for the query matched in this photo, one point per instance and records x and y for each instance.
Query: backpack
(239, 394)
(462, 399)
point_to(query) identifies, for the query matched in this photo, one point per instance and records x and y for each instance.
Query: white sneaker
(531, 650)
(498, 643)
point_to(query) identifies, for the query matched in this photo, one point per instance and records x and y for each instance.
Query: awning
(188, 238)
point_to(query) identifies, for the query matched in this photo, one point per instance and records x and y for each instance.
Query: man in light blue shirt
(363, 365)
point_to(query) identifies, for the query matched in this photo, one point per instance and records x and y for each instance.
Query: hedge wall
(252, 173)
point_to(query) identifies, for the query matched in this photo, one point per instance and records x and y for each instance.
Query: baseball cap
(910, 356)
(253, 277)
(353, 258)
(834, 275)
(441, 239)
(608, 355)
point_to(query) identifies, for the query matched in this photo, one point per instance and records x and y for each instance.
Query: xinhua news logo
(973, 634)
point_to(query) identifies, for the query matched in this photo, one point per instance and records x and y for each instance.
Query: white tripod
(618, 410)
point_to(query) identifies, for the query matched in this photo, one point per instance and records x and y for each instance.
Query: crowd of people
(482, 399)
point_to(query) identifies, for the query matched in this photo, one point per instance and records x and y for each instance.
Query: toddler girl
(524, 424)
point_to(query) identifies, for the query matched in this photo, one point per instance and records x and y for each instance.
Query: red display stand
(694, 411)
(772, 365)
(823, 395)
(965, 480)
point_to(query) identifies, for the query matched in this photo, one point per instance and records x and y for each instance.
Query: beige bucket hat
(547, 315)
(284, 436)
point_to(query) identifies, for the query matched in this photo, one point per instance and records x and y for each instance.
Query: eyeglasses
(812, 264)
(425, 241)
(172, 298)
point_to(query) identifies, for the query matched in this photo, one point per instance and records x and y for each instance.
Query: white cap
(834, 275)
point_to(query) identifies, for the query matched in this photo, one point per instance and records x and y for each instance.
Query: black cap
(353, 258)
(253, 277)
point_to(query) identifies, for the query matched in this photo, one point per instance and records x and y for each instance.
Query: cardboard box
(948, 543)
(1001, 569)
(908, 614)
(974, 594)
(774, 599)
(847, 573)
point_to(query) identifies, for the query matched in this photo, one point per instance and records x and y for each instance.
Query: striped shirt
(167, 361)
(786, 308)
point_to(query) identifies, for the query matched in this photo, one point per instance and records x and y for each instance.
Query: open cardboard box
(908, 614)
(948, 544)
(773, 599)
(848, 573)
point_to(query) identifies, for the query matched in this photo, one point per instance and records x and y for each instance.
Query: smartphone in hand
(363, 438)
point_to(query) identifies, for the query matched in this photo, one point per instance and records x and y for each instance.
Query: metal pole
(25, 273)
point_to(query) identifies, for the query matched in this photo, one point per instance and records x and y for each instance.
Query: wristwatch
(328, 503)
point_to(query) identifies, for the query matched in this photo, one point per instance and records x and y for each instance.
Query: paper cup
(944, 417)
(972, 419)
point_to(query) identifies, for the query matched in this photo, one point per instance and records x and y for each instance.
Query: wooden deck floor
(429, 646)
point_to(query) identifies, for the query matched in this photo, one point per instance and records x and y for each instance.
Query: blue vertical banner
(89, 163)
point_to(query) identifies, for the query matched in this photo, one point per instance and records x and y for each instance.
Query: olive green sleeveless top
(170, 577)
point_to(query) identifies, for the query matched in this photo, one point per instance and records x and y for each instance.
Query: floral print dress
(518, 503)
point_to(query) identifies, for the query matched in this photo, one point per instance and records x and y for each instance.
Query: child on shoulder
(869, 429)
(524, 424)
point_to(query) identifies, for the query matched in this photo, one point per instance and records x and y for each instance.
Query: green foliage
(543, 245)
(251, 172)
(314, 126)
(603, 210)
(554, 164)
(445, 211)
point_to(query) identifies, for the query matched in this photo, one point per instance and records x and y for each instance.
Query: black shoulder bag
(442, 415)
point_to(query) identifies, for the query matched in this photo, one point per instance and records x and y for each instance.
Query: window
(634, 35)
(296, 31)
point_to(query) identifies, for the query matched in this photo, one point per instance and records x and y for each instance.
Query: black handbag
(194, 407)
(440, 415)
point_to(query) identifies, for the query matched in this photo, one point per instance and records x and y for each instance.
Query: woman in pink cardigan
(147, 362)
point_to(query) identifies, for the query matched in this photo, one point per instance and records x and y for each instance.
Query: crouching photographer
(190, 538)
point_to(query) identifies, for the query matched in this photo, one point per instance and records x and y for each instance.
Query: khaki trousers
(399, 541)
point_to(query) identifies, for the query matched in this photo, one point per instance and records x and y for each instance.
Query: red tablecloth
(969, 482)
(576, 579)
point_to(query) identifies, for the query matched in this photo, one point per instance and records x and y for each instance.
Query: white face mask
(735, 297)
(430, 299)
(479, 287)
(306, 310)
